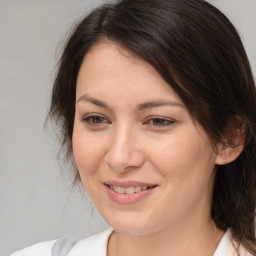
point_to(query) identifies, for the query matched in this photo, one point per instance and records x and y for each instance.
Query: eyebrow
(159, 103)
(140, 107)
(92, 100)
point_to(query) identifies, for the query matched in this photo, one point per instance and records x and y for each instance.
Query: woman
(156, 103)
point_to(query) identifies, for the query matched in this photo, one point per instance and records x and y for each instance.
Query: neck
(198, 240)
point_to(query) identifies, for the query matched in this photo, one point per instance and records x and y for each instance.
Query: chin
(129, 225)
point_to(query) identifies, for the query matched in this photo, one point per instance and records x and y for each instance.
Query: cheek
(89, 155)
(88, 152)
(187, 170)
(183, 156)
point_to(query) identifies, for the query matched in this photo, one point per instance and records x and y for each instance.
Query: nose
(124, 152)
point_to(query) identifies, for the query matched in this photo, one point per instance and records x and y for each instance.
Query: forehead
(110, 67)
(108, 56)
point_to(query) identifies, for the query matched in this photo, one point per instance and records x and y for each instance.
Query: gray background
(36, 201)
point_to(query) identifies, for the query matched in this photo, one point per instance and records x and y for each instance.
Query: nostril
(124, 161)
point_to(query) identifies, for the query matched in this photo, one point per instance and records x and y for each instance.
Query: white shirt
(96, 245)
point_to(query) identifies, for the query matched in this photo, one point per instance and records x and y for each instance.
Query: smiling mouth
(129, 190)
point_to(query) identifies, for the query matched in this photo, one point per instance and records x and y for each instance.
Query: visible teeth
(137, 189)
(129, 190)
(119, 190)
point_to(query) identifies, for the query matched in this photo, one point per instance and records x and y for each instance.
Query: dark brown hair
(197, 50)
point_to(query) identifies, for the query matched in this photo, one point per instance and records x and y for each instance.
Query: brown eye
(157, 121)
(94, 120)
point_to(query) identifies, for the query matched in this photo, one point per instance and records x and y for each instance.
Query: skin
(160, 145)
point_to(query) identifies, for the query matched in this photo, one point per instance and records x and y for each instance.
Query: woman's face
(144, 162)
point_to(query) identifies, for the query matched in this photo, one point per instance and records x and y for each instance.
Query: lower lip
(128, 198)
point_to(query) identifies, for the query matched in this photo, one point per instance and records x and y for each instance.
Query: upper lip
(127, 184)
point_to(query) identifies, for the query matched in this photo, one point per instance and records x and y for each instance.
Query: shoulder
(39, 249)
(241, 250)
(96, 243)
(227, 247)
(235, 250)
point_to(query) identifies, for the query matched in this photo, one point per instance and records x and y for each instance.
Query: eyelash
(164, 122)
(95, 120)
(98, 120)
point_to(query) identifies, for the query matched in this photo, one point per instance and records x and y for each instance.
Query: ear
(229, 154)
(234, 140)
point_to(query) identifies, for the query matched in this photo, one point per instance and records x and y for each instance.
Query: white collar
(223, 247)
(97, 245)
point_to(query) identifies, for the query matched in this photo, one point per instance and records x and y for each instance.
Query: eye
(95, 120)
(159, 121)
